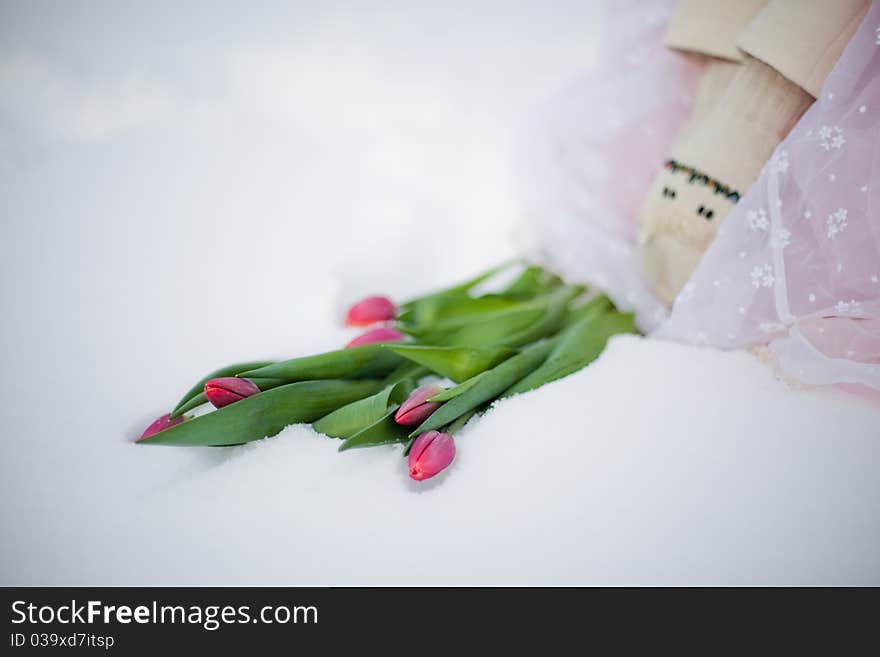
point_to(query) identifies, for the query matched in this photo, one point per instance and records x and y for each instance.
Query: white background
(186, 187)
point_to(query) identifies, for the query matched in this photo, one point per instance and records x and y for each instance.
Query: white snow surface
(183, 188)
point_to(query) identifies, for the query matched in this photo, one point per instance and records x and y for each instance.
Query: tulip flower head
(383, 334)
(228, 390)
(370, 310)
(417, 407)
(160, 424)
(431, 452)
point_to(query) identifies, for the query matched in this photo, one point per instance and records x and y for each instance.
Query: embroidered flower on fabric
(757, 220)
(851, 307)
(836, 223)
(780, 161)
(831, 137)
(762, 276)
(781, 239)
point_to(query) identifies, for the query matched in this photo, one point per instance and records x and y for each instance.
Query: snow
(221, 194)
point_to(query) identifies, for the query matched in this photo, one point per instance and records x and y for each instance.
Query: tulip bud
(228, 390)
(370, 310)
(160, 424)
(417, 407)
(384, 334)
(431, 452)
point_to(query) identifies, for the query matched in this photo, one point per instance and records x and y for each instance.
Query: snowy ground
(186, 188)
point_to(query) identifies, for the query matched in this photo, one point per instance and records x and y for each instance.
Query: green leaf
(382, 432)
(406, 370)
(578, 346)
(497, 327)
(193, 402)
(346, 421)
(456, 363)
(449, 393)
(525, 323)
(598, 305)
(454, 307)
(422, 313)
(551, 320)
(492, 383)
(532, 282)
(265, 414)
(363, 362)
(449, 313)
(462, 287)
(199, 387)
(460, 422)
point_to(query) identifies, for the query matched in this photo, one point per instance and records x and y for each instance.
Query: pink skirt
(795, 265)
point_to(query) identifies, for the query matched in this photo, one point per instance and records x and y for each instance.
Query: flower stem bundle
(418, 375)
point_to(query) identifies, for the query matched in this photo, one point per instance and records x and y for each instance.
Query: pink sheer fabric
(796, 264)
(594, 148)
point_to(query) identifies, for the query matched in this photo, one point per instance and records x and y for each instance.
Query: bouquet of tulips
(416, 377)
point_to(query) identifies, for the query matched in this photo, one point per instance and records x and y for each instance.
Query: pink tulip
(417, 407)
(160, 424)
(383, 334)
(370, 310)
(228, 390)
(431, 452)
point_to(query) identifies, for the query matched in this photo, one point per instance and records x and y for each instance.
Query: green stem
(460, 422)
(467, 285)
